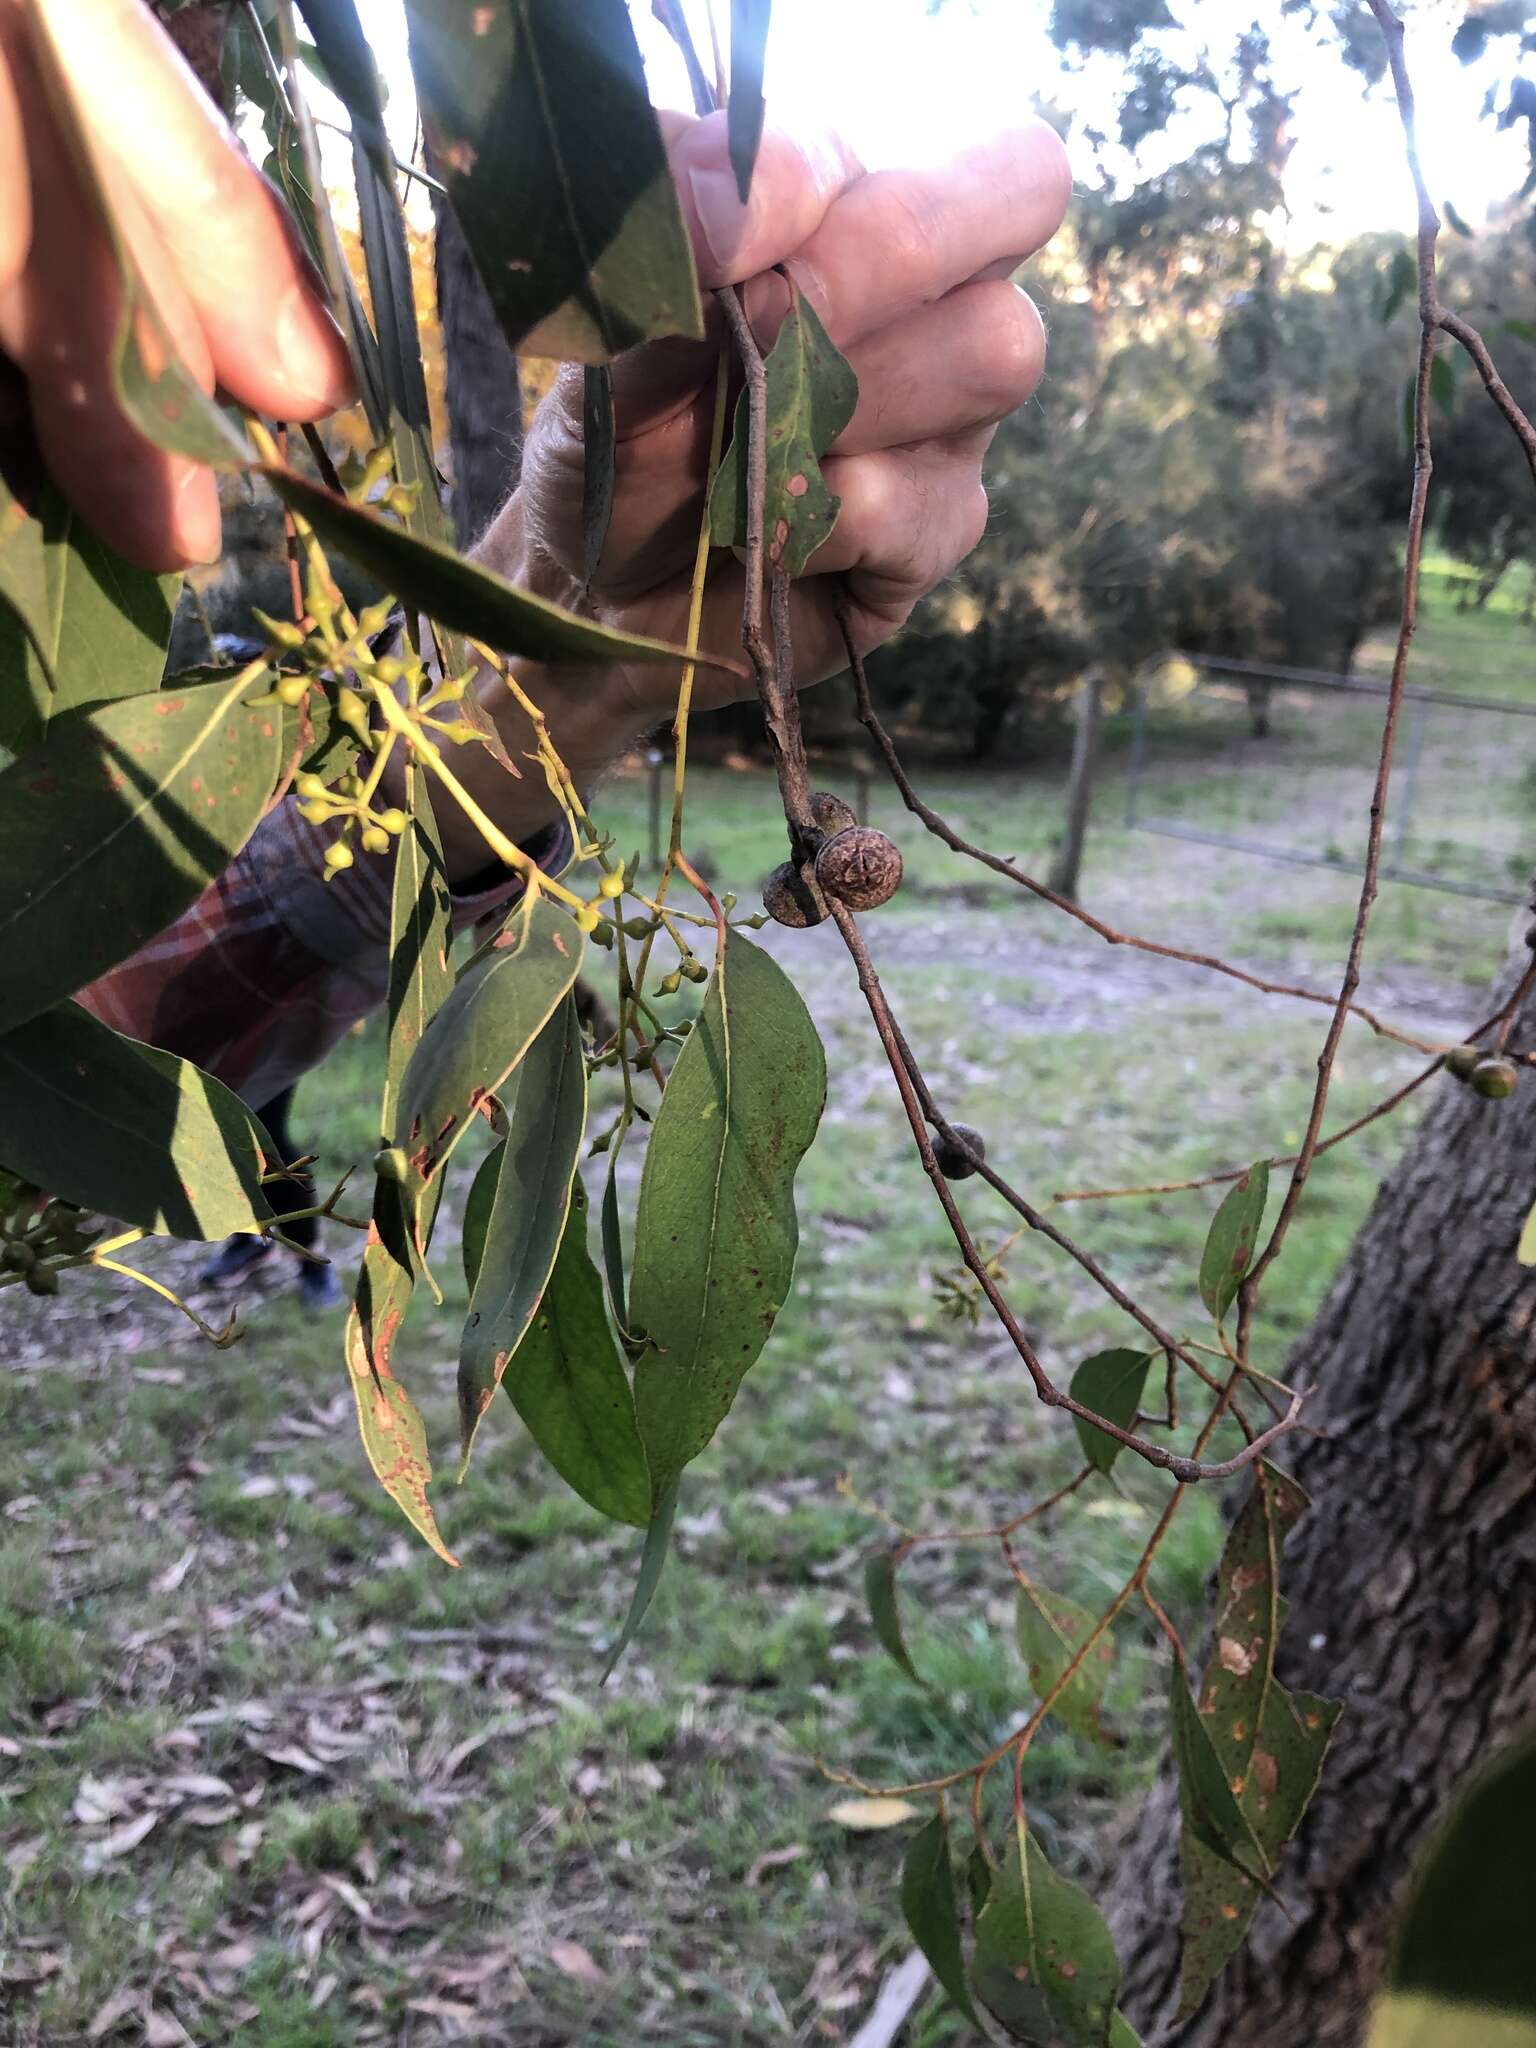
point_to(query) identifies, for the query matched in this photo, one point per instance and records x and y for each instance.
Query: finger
(59, 323)
(15, 192)
(897, 240)
(966, 362)
(909, 515)
(793, 186)
(273, 343)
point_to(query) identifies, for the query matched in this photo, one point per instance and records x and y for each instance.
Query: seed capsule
(860, 867)
(1495, 1078)
(1461, 1059)
(952, 1162)
(790, 899)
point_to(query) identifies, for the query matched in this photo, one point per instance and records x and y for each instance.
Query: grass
(390, 1802)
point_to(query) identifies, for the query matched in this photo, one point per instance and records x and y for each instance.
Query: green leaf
(537, 115)
(567, 1382)
(1402, 283)
(744, 114)
(880, 1593)
(1045, 1964)
(84, 625)
(1122, 2034)
(348, 63)
(812, 392)
(653, 1557)
(420, 977)
(1050, 1629)
(715, 1230)
(1232, 1239)
(1525, 1251)
(1465, 1935)
(497, 1008)
(613, 1246)
(460, 594)
(477, 1214)
(388, 1421)
(1442, 383)
(128, 1130)
(545, 1109)
(928, 1903)
(118, 821)
(1212, 1816)
(1268, 1743)
(598, 448)
(1456, 222)
(1522, 330)
(1111, 1383)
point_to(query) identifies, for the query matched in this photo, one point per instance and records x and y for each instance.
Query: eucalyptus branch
(942, 829)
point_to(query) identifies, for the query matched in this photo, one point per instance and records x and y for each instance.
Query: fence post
(1067, 866)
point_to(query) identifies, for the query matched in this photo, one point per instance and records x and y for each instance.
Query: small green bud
(670, 983)
(389, 669)
(1495, 1078)
(694, 970)
(18, 1258)
(612, 886)
(291, 690)
(309, 786)
(639, 927)
(394, 822)
(601, 934)
(41, 1280)
(375, 839)
(587, 918)
(338, 856)
(390, 1163)
(282, 632)
(1461, 1059)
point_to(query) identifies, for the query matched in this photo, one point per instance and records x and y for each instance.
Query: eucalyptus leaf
(654, 1553)
(744, 115)
(544, 1108)
(477, 1214)
(929, 1906)
(115, 823)
(463, 595)
(349, 66)
(1268, 1743)
(128, 1130)
(84, 626)
(1045, 1964)
(1465, 1934)
(1211, 1813)
(1111, 1383)
(496, 1010)
(1232, 1239)
(1050, 1629)
(567, 1381)
(880, 1594)
(598, 448)
(538, 118)
(715, 1229)
(812, 392)
(1402, 283)
(388, 1420)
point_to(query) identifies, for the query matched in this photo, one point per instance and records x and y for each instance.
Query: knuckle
(1012, 346)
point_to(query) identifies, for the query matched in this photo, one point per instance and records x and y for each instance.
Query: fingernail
(722, 217)
(195, 521)
(312, 353)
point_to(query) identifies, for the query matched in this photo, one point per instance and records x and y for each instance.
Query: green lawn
(268, 1766)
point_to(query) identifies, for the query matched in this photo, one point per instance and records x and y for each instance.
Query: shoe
(318, 1286)
(235, 1258)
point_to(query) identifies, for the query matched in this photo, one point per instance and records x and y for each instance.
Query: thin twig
(942, 829)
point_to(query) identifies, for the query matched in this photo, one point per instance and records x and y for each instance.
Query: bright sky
(905, 86)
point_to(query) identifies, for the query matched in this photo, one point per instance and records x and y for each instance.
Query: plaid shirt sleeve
(274, 963)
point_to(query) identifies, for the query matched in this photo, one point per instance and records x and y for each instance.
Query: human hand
(909, 272)
(211, 239)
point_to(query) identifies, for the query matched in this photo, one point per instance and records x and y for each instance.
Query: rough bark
(1412, 1582)
(485, 409)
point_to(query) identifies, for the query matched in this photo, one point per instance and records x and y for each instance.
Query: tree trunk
(485, 408)
(1411, 1581)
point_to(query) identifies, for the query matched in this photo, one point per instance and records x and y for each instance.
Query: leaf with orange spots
(1045, 1965)
(1232, 1240)
(1050, 1629)
(812, 392)
(1267, 1743)
(387, 1418)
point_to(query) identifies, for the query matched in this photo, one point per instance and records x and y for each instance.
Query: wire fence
(1280, 763)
